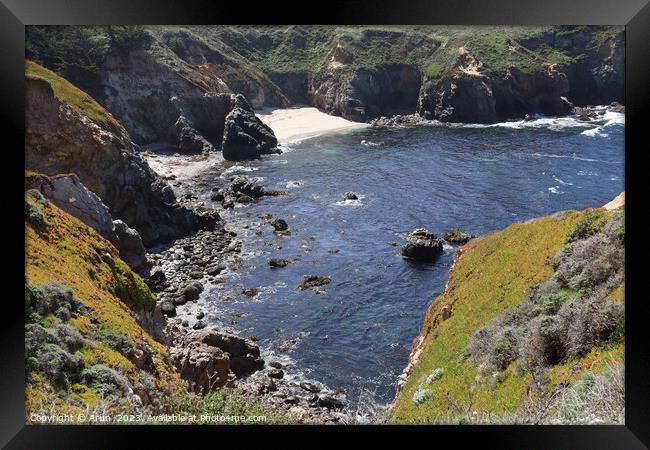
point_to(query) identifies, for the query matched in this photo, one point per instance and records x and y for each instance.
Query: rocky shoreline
(181, 277)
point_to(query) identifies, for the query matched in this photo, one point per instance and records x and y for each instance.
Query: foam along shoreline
(295, 124)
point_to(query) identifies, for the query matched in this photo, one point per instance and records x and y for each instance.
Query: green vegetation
(225, 402)
(76, 52)
(433, 71)
(73, 96)
(522, 311)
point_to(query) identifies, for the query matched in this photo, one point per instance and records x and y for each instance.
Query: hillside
(528, 330)
(88, 333)
(456, 74)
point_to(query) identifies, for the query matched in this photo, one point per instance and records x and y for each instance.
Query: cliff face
(67, 132)
(523, 327)
(166, 80)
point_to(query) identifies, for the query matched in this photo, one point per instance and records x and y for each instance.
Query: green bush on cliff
(131, 289)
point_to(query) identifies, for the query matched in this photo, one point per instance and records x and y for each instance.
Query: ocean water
(357, 334)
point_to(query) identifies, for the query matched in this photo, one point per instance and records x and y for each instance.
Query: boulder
(330, 402)
(351, 196)
(422, 245)
(204, 367)
(131, 249)
(245, 135)
(168, 308)
(191, 291)
(244, 355)
(244, 185)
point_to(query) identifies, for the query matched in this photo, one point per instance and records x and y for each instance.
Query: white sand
(294, 124)
(181, 167)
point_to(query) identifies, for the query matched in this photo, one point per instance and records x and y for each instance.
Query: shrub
(596, 398)
(106, 381)
(51, 298)
(35, 216)
(568, 314)
(117, 341)
(590, 224)
(57, 364)
(69, 337)
(433, 71)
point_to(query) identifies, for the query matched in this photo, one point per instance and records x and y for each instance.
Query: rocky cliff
(166, 81)
(68, 132)
(530, 328)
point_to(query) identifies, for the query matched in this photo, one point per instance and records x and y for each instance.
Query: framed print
(383, 218)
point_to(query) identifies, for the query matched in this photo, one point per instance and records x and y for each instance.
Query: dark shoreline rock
(457, 236)
(422, 245)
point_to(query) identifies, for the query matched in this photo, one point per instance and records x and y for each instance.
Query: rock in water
(311, 281)
(276, 262)
(422, 245)
(280, 225)
(245, 135)
(457, 236)
(351, 196)
(244, 185)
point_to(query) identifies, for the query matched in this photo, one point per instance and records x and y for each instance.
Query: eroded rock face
(367, 93)
(69, 194)
(209, 359)
(59, 139)
(422, 245)
(132, 251)
(204, 367)
(245, 135)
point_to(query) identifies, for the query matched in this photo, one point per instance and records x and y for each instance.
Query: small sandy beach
(293, 124)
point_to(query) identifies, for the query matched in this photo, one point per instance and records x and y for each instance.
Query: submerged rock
(422, 245)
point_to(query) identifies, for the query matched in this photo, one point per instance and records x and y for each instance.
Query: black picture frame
(634, 14)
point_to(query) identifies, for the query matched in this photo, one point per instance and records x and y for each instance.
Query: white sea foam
(294, 184)
(238, 169)
(551, 123)
(572, 156)
(555, 190)
(562, 181)
(347, 202)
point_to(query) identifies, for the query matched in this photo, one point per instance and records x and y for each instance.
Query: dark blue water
(358, 334)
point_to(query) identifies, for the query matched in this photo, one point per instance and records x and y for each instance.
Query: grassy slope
(492, 274)
(73, 96)
(69, 252)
